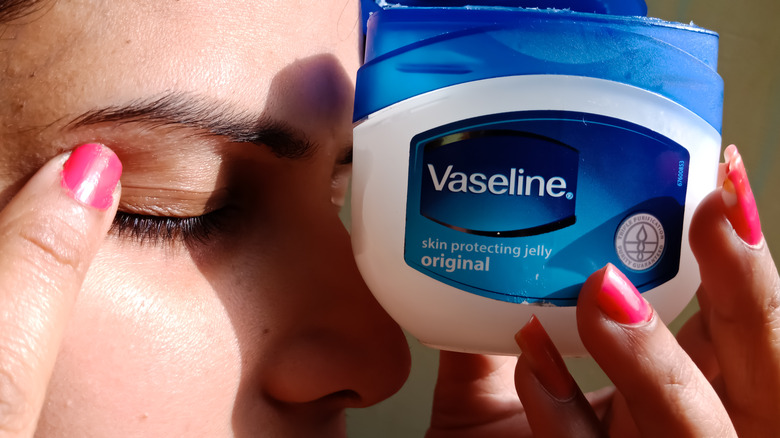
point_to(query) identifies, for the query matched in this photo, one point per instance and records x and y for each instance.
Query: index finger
(741, 290)
(49, 233)
(663, 389)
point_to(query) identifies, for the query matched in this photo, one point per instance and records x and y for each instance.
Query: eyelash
(155, 230)
(347, 159)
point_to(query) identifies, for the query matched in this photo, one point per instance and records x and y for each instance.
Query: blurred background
(749, 63)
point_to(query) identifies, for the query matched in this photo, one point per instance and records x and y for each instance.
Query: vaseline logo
(498, 183)
(640, 241)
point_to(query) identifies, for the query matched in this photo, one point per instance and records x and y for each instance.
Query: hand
(723, 376)
(49, 233)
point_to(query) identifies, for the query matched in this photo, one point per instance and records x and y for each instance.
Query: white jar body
(414, 275)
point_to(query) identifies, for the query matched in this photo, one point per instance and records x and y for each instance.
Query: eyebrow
(204, 117)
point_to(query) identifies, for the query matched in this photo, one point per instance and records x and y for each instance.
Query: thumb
(49, 233)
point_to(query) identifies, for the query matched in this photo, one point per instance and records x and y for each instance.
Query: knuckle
(773, 301)
(53, 245)
(772, 312)
(681, 385)
(680, 382)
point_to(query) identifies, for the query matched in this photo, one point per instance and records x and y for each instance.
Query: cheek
(141, 352)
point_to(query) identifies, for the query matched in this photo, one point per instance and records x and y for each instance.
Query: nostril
(345, 398)
(323, 367)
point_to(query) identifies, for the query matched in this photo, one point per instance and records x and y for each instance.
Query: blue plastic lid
(411, 50)
(612, 7)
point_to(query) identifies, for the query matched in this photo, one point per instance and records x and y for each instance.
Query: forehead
(228, 47)
(73, 56)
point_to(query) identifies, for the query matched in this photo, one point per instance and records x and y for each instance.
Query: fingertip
(616, 297)
(730, 152)
(726, 261)
(725, 228)
(544, 361)
(738, 199)
(593, 283)
(612, 316)
(91, 175)
(554, 404)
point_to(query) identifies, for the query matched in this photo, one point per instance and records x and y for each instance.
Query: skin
(262, 326)
(168, 338)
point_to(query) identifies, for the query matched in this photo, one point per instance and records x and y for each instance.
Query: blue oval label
(523, 206)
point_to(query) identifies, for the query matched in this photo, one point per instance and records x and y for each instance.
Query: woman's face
(225, 301)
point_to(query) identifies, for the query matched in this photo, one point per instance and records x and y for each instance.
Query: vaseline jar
(503, 153)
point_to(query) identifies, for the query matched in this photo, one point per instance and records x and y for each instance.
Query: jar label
(523, 206)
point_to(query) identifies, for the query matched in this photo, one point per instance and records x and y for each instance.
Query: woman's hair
(13, 9)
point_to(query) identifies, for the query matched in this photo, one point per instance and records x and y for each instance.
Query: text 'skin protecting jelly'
(506, 150)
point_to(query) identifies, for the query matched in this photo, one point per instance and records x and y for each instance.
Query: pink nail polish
(91, 174)
(741, 209)
(620, 300)
(545, 361)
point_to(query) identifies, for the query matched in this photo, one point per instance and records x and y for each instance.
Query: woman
(224, 299)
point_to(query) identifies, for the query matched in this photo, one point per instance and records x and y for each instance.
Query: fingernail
(620, 300)
(91, 174)
(545, 361)
(738, 197)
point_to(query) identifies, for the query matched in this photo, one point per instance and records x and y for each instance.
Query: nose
(342, 347)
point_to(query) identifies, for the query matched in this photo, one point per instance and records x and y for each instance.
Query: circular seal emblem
(640, 241)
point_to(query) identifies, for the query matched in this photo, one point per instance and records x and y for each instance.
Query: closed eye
(157, 230)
